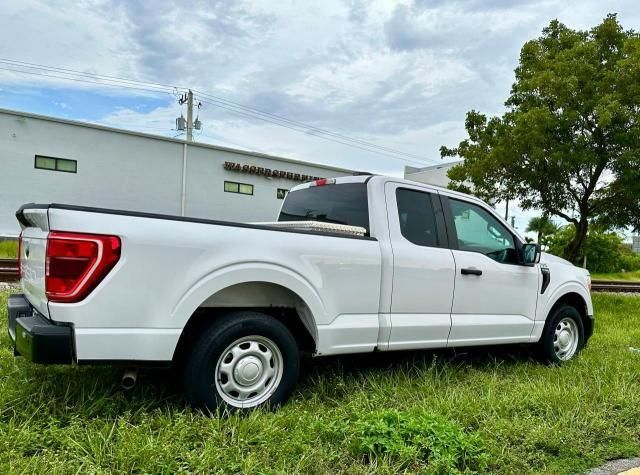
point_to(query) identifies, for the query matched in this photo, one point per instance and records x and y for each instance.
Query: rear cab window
(344, 203)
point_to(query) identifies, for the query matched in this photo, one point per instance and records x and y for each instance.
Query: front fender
(557, 293)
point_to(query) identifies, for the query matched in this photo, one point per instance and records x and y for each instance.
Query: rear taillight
(76, 263)
(20, 255)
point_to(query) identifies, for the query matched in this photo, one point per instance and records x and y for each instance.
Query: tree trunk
(574, 249)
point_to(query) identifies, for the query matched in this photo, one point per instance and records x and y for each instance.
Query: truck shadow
(369, 363)
(476, 356)
(335, 378)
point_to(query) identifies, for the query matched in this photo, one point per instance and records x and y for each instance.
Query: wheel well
(576, 301)
(263, 297)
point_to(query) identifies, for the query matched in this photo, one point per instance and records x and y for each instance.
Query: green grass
(8, 249)
(496, 411)
(633, 276)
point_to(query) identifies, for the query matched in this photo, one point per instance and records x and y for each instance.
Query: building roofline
(433, 167)
(105, 128)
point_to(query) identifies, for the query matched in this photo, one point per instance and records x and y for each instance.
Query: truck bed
(171, 265)
(304, 227)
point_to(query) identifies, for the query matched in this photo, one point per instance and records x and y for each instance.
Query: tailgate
(35, 228)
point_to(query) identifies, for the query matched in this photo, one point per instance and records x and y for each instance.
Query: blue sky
(399, 74)
(75, 104)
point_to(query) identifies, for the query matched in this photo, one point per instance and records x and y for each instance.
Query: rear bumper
(35, 337)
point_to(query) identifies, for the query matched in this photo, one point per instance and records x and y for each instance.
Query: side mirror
(531, 253)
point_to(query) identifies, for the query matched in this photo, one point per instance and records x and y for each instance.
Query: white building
(45, 159)
(432, 175)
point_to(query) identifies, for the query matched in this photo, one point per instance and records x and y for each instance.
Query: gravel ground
(614, 467)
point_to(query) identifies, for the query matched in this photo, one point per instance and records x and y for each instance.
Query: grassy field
(8, 249)
(632, 276)
(429, 412)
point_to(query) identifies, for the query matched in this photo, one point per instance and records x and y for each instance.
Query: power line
(92, 75)
(348, 144)
(310, 127)
(229, 105)
(85, 81)
(237, 108)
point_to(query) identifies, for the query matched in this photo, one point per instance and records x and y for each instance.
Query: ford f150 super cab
(355, 264)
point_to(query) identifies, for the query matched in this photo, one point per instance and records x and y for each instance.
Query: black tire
(546, 345)
(200, 373)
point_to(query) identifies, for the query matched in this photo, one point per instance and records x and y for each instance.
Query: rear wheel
(563, 336)
(244, 360)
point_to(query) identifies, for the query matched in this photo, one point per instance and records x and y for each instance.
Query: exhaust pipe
(129, 379)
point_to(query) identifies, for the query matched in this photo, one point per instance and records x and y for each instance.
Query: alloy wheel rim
(249, 371)
(565, 338)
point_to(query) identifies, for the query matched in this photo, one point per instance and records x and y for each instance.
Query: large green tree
(569, 141)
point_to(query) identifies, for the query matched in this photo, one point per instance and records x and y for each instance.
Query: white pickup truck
(235, 304)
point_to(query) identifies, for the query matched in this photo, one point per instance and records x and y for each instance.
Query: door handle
(470, 271)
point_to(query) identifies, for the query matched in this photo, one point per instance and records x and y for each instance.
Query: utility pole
(506, 211)
(180, 125)
(187, 98)
(190, 116)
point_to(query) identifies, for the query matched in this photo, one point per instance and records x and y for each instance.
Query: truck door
(495, 297)
(423, 269)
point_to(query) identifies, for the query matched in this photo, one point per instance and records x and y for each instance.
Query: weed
(420, 438)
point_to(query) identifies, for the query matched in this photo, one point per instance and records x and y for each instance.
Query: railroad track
(9, 270)
(9, 273)
(615, 286)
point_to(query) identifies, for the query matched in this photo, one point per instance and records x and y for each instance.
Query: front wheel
(563, 336)
(244, 360)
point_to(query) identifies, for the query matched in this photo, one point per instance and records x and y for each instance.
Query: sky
(398, 74)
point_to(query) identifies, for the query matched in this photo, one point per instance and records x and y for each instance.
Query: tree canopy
(569, 141)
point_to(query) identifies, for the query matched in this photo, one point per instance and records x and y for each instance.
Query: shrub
(604, 250)
(8, 249)
(417, 437)
(629, 260)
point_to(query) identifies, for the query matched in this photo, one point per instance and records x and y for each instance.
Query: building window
(281, 193)
(242, 188)
(56, 164)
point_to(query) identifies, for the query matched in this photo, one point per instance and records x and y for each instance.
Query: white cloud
(79, 36)
(372, 72)
(399, 74)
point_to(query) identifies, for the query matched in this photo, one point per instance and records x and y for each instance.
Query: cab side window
(479, 231)
(417, 218)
